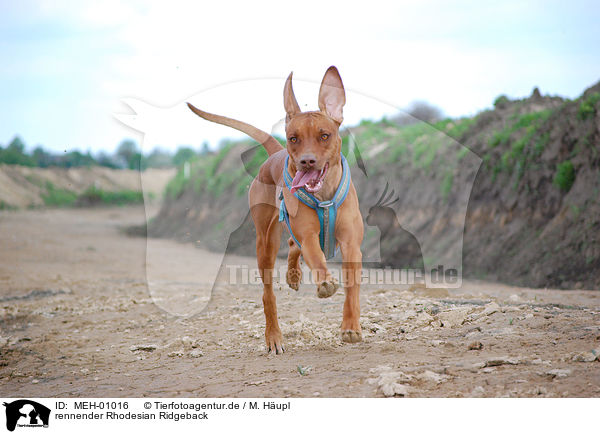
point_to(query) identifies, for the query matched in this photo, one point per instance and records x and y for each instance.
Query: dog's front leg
(352, 267)
(267, 245)
(315, 259)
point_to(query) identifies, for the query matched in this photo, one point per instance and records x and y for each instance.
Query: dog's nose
(307, 161)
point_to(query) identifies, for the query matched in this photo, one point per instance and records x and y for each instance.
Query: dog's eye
(324, 136)
(293, 139)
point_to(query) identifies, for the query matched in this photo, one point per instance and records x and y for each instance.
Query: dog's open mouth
(311, 180)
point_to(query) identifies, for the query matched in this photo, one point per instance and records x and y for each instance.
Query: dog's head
(313, 139)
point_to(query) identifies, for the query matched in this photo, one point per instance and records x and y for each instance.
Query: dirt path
(75, 306)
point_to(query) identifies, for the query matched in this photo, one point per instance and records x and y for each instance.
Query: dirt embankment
(520, 181)
(24, 187)
(77, 319)
(534, 215)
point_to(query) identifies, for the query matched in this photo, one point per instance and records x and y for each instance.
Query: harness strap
(326, 210)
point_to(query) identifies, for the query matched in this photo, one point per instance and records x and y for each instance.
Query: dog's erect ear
(332, 96)
(289, 99)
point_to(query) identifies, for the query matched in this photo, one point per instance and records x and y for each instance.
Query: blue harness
(326, 210)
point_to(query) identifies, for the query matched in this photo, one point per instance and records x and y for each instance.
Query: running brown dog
(314, 149)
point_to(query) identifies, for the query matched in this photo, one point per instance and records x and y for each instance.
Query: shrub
(587, 108)
(58, 196)
(564, 176)
(501, 101)
(6, 206)
(96, 196)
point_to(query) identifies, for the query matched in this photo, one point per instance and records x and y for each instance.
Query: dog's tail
(268, 141)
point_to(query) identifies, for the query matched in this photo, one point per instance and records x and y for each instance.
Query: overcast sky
(67, 65)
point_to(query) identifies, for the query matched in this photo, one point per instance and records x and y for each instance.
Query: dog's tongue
(302, 178)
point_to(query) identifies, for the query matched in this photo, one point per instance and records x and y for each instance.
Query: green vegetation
(443, 124)
(96, 196)
(459, 127)
(126, 156)
(531, 121)
(5, 206)
(413, 145)
(462, 153)
(182, 155)
(423, 153)
(575, 210)
(175, 186)
(564, 176)
(541, 143)
(499, 138)
(214, 162)
(216, 181)
(587, 108)
(404, 137)
(525, 147)
(14, 154)
(258, 158)
(501, 101)
(57, 196)
(374, 133)
(204, 173)
(446, 185)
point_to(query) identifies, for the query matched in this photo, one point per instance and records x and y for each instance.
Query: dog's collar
(326, 210)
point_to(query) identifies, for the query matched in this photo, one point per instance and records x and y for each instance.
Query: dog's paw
(274, 342)
(327, 288)
(351, 336)
(293, 278)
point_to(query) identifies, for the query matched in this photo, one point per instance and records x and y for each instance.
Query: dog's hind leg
(352, 266)
(350, 236)
(294, 273)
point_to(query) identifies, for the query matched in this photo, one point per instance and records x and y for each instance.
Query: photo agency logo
(412, 178)
(24, 413)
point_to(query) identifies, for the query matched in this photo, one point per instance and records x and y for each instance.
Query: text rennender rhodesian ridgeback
(314, 149)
